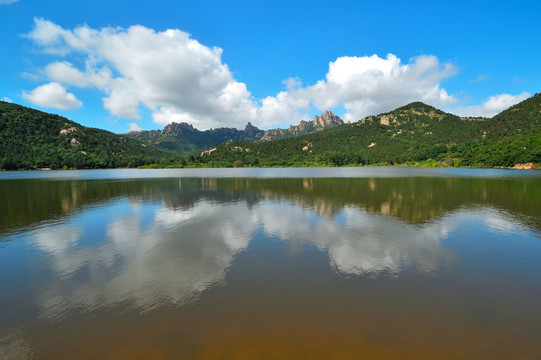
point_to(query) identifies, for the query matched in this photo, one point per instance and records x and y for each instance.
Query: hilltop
(523, 117)
(32, 139)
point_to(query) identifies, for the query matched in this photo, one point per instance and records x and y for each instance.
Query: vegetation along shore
(412, 135)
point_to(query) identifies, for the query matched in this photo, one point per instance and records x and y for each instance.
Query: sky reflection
(148, 243)
(182, 252)
(86, 262)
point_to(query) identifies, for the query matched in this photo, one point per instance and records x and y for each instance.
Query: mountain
(32, 139)
(184, 139)
(523, 117)
(415, 132)
(320, 123)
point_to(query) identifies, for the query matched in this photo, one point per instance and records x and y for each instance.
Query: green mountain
(521, 118)
(415, 132)
(32, 139)
(184, 139)
(511, 137)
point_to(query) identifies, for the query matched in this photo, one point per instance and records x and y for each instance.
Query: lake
(330, 263)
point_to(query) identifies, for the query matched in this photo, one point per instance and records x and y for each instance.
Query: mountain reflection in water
(145, 246)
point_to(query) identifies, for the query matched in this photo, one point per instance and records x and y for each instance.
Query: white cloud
(30, 76)
(122, 100)
(55, 40)
(7, 2)
(481, 78)
(6, 99)
(179, 79)
(292, 83)
(169, 72)
(494, 105)
(64, 72)
(53, 95)
(134, 127)
(370, 84)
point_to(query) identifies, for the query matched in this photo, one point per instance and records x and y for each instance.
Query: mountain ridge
(32, 139)
(412, 133)
(183, 138)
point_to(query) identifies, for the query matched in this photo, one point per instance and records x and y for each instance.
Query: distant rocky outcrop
(321, 122)
(251, 130)
(327, 119)
(527, 166)
(184, 139)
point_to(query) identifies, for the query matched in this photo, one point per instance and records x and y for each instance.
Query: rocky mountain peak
(251, 130)
(327, 119)
(176, 127)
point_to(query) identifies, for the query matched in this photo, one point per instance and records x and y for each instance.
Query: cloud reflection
(57, 240)
(174, 259)
(14, 346)
(183, 252)
(492, 219)
(363, 242)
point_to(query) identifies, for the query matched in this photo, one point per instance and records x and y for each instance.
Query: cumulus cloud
(370, 84)
(66, 73)
(494, 105)
(55, 40)
(6, 99)
(134, 127)
(53, 95)
(180, 79)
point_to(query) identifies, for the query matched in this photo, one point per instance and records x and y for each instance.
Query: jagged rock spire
(327, 119)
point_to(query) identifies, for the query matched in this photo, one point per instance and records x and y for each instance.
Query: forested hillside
(32, 139)
(412, 133)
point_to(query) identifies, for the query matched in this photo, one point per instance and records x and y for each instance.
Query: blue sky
(121, 65)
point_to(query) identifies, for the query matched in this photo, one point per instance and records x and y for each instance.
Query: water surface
(384, 263)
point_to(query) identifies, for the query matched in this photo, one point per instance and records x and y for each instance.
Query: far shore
(205, 166)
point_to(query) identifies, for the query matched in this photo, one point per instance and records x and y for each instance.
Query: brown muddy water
(270, 264)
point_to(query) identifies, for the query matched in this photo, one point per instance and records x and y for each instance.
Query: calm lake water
(348, 263)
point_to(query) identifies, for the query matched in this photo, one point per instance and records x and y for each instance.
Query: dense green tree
(31, 139)
(416, 132)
